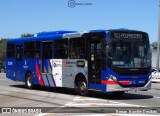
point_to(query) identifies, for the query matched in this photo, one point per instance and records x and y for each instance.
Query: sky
(32, 16)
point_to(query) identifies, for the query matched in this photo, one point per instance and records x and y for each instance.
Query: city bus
(115, 61)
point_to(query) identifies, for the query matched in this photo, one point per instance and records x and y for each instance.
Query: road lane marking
(43, 114)
(81, 102)
(3, 79)
(156, 97)
(87, 99)
(97, 104)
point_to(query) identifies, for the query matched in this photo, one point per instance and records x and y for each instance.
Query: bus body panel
(10, 66)
(62, 72)
(71, 69)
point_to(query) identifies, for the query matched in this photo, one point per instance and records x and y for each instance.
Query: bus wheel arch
(29, 80)
(81, 85)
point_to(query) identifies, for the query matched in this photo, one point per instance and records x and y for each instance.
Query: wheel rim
(83, 87)
(29, 81)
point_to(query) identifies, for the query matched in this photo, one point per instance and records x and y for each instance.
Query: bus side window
(77, 48)
(32, 49)
(10, 50)
(19, 53)
(61, 48)
(38, 47)
(29, 48)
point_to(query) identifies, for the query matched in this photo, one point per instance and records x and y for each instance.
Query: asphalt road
(14, 94)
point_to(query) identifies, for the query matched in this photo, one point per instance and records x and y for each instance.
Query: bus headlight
(113, 78)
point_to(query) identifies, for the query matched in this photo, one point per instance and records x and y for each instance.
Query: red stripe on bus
(39, 75)
(124, 82)
(113, 82)
(108, 82)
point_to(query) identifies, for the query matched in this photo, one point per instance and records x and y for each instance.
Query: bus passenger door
(46, 65)
(94, 63)
(19, 62)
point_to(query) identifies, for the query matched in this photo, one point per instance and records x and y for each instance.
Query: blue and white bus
(114, 61)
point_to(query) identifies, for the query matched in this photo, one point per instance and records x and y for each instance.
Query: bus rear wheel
(29, 81)
(82, 88)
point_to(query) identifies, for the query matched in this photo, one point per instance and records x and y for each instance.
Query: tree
(27, 35)
(3, 49)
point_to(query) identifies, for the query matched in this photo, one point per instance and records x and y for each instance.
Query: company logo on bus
(54, 65)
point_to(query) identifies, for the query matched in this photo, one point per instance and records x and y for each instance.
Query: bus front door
(19, 62)
(94, 64)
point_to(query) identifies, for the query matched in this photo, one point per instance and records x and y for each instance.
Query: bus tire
(29, 81)
(82, 88)
(118, 93)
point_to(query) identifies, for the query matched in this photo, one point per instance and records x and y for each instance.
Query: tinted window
(77, 48)
(10, 50)
(61, 49)
(19, 53)
(47, 50)
(32, 49)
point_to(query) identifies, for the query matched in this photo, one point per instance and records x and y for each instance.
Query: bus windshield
(127, 54)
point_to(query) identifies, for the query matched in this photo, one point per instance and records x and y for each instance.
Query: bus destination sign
(127, 36)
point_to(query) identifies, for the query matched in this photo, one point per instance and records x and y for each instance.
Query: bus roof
(42, 36)
(53, 33)
(62, 34)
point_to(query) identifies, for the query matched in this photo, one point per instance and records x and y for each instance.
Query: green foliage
(3, 49)
(27, 35)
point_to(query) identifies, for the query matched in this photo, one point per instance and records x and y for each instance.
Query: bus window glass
(10, 50)
(61, 49)
(77, 48)
(129, 54)
(37, 51)
(32, 49)
(47, 50)
(19, 53)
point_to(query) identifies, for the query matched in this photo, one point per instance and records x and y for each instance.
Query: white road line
(43, 114)
(87, 99)
(127, 104)
(97, 104)
(81, 102)
(156, 97)
(3, 79)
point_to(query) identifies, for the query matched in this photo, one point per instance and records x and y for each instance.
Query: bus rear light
(113, 78)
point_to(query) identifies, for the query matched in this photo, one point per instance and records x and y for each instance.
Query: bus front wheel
(29, 81)
(82, 88)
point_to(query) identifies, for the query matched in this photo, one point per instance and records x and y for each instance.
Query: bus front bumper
(117, 87)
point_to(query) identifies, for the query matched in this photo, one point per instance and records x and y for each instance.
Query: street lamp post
(158, 36)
